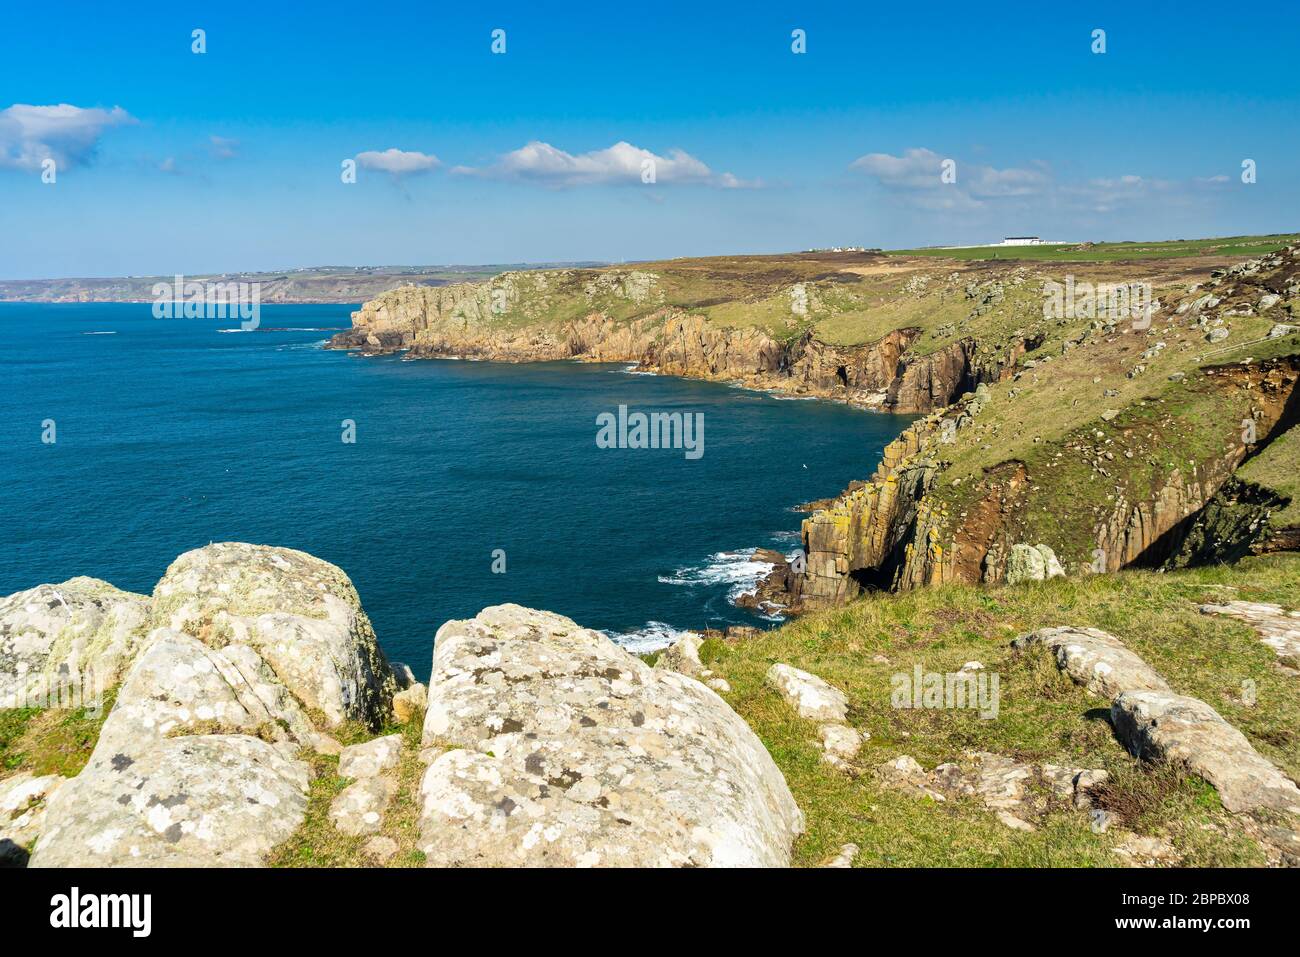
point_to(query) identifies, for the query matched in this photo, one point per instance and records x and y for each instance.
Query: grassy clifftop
(846, 298)
(1043, 717)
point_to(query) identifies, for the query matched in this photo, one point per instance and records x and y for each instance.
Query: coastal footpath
(1058, 437)
(244, 715)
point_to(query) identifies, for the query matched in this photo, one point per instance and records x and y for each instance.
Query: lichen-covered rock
(809, 695)
(1141, 851)
(1032, 563)
(844, 858)
(83, 630)
(568, 751)
(1178, 729)
(359, 808)
(380, 849)
(205, 801)
(840, 744)
(371, 757)
(683, 656)
(1001, 783)
(1097, 660)
(299, 613)
(22, 813)
(181, 685)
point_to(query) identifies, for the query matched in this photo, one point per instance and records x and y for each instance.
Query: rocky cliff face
(1147, 504)
(615, 317)
(894, 533)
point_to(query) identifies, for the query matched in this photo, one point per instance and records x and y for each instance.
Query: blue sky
(170, 161)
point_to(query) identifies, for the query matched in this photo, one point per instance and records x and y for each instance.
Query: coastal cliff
(1103, 441)
(762, 330)
(1109, 457)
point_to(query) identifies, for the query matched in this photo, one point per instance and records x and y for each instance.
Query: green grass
(56, 741)
(1115, 252)
(1043, 717)
(1278, 468)
(318, 843)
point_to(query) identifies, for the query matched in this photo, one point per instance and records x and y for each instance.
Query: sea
(439, 486)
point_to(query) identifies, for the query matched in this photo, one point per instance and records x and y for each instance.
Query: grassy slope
(1043, 716)
(1278, 468)
(856, 298)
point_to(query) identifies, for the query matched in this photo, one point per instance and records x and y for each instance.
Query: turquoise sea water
(174, 433)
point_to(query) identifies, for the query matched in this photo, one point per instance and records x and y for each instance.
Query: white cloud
(397, 162)
(622, 163)
(917, 168)
(916, 176)
(913, 179)
(223, 148)
(67, 134)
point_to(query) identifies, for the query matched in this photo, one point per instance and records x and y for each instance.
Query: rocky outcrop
(683, 657)
(298, 613)
(1032, 563)
(370, 758)
(816, 700)
(1169, 727)
(359, 808)
(180, 685)
(810, 696)
(78, 637)
(194, 801)
(1095, 659)
(1156, 723)
(22, 813)
(564, 750)
(861, 538)
(1002, 784)
(897, 530)
(197, 763)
